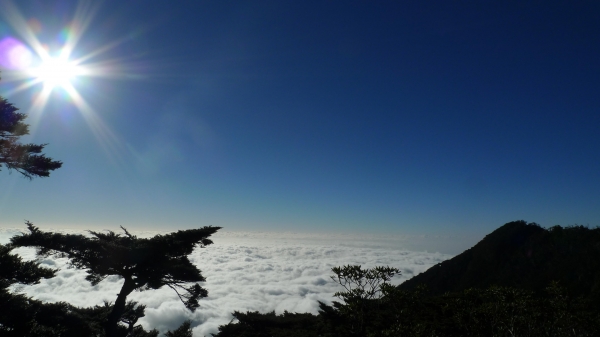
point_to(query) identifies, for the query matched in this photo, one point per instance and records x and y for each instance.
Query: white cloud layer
(244, 271)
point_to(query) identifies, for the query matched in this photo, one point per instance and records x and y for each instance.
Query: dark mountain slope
(525, 256)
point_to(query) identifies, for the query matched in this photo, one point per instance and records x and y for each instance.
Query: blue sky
(354, 116)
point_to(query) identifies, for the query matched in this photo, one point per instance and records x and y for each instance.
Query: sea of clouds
(245, 271)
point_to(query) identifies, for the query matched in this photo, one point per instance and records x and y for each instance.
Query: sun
(56, 72)
(55, 63)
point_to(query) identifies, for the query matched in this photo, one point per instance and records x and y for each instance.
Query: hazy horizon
(446, 244)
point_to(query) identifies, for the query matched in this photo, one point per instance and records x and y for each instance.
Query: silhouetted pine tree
(144, 263)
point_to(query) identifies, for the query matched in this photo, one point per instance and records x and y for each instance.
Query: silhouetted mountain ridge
(522, 255)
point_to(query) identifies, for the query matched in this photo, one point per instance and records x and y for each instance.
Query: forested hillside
(522, 255)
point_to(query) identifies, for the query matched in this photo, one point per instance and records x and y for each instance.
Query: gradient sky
(402, 117)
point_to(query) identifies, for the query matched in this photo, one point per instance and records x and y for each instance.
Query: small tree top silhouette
(144, 263)
(184, 330)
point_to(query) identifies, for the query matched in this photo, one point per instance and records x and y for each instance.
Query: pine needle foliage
(26, 159)
(144, 263)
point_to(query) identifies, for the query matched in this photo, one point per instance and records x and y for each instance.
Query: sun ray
(100, 50)
(84, 14)
(37, 108)
(108, 140)
(24, 86)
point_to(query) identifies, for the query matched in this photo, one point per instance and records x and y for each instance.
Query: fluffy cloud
(244, 271)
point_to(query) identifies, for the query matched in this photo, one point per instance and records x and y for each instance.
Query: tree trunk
(119, 308)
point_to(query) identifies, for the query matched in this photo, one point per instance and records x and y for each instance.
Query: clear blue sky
(375, 116)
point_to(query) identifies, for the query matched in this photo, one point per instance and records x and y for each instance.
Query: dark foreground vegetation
(496, 311)
(521, 280)
(143, 264)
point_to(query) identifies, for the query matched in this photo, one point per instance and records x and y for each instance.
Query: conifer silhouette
(143, 263)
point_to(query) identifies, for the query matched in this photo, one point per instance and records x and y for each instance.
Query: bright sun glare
(53, 64)
(55, 72)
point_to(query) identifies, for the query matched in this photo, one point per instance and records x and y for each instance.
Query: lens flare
(14, 54)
